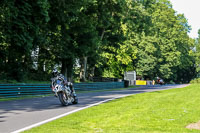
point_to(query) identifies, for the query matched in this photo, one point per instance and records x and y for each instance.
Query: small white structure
(131, 77)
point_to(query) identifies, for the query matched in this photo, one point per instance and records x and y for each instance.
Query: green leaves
(196, 53)
(109, 36)
(21, 29)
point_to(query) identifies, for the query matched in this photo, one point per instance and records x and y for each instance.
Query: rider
(55, 74)
(160, 81)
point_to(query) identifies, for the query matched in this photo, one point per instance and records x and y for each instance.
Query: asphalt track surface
(19, 115)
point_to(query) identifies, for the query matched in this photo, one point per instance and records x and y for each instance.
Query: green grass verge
(154, 112)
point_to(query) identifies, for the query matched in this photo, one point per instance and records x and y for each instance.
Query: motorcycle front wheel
(63, 98)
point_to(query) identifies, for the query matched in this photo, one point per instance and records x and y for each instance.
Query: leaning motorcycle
(63, 91)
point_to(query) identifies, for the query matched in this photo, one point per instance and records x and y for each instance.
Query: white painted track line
(65, 114)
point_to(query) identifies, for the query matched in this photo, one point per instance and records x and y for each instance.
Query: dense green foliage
(196, 54)
(168, 111)
(195, 81)
(89, 38)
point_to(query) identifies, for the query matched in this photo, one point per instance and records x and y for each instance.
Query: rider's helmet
(55, 73)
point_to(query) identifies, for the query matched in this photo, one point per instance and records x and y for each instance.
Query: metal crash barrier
(20, 90)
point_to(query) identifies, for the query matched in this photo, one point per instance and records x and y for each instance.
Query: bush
(195, 81)
(171, 82)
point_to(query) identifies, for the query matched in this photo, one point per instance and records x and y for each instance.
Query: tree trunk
(83, 69)
(64, 68)
(67, 69)
(102, 35)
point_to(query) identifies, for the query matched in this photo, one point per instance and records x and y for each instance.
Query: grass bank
(155, 112)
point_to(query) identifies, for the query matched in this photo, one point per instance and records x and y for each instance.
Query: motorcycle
(160, 81)
(63, 91)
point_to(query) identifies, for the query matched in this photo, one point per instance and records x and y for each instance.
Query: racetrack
(16, 116)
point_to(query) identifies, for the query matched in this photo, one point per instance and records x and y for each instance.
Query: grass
(166, 111)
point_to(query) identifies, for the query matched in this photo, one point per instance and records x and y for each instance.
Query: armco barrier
(20, 90)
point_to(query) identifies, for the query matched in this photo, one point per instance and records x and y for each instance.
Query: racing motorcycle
(63, 91)
(160, 81)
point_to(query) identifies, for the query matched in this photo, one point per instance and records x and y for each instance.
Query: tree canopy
(88, 38)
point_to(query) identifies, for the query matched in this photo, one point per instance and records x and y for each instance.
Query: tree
(107, 37)
(23, 20)
(168, 46)
(3, 44)
(197, 53)
(118, 48)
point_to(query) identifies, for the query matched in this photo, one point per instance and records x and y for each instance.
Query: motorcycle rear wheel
(75, 100)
